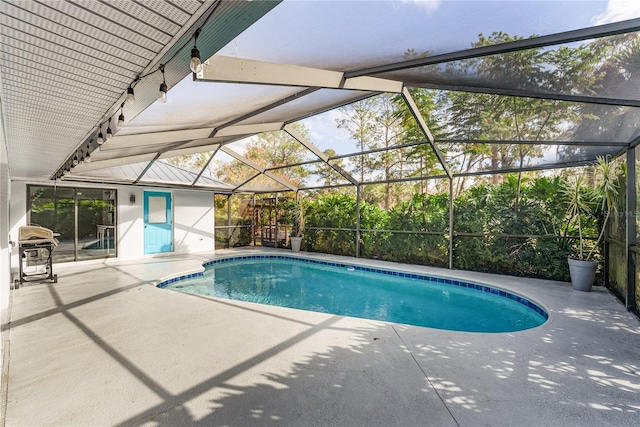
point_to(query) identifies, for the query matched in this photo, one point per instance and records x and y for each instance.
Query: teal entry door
(158, 223)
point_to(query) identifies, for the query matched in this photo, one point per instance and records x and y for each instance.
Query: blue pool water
(353, 291)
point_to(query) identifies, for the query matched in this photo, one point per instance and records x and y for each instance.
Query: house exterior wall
(5, 197)
(17, 217)
(193, 219)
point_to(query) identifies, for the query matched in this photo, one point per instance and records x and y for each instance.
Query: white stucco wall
(17, 216)
(130, 223)
(5, 197)
(5, 267)
(193, 221)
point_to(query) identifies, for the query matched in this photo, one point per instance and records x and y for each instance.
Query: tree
(360, 122)
(420, 158)
(374, 123)
(327, 174)
(268, 150)
(616, 65)
(193, 162)
(501, 118)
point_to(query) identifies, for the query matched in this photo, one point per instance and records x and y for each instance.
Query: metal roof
(156, 173)
(274, 64)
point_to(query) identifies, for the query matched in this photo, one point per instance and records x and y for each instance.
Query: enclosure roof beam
(408, 99)
(293, 165)
(120, 181)
(248, 129)
(110, 163)
(246, 181)
(635, 142)
(605, 30)
(260, 169)
(146, 168)
(264, 109)
(406, 179)
(529, 142)
(562, 165)
(157, 156)
(206, 165)
(599, 100)
(315, 150)
(239, 70)
(186, 151)
(378, 150)
(186, 136)
(322, 187)
(153, 138)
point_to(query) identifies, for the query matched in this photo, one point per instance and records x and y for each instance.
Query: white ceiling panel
(65, 66)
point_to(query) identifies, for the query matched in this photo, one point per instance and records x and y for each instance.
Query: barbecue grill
(36, 247)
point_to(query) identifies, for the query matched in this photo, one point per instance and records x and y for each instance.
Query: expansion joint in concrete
(426, 376)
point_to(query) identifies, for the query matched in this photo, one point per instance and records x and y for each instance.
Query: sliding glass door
(84, 218)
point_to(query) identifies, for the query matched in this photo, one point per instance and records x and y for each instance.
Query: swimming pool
(364, 292)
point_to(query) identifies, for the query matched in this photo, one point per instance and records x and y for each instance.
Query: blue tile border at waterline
(442, 280)
(179, 278)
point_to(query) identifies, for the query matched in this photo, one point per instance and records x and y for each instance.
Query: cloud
(618, 10)
(430, 5)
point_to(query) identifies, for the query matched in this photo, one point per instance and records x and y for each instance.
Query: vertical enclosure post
(358, 221)
(297, 200)
(228, 233)
(275, 221)
(254, 218)
(631, 209)
(451, 223)
(76, 202)
(261, 220)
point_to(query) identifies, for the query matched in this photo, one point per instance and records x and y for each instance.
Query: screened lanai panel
(273, 149)
(312, 175)
(105, 153)
(304, 106)
(327, 136)
(607, 68)
(202, 163)
(372, 123)
(344, 35)
(196, 104)
(475, 116)
(231, 170)
(394, 164)
(262, 184)
(474, 158)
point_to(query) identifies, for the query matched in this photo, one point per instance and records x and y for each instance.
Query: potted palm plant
(298, 226)
(580, 203)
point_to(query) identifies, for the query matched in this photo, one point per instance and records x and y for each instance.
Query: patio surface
(103, 346)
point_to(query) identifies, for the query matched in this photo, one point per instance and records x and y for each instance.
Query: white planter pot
(296, 242)
(583, 274)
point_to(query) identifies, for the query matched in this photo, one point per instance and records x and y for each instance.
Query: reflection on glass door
(96, 223)
(83, 218)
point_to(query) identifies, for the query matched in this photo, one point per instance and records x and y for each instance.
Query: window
(84, 218)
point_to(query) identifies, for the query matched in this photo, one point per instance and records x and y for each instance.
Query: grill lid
(32, 232)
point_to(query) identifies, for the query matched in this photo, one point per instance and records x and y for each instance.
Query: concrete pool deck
(103, 346)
